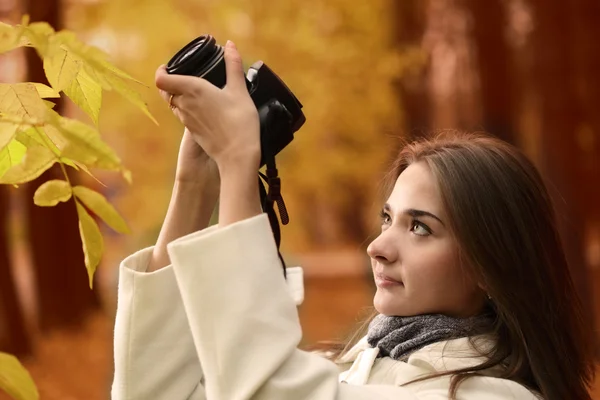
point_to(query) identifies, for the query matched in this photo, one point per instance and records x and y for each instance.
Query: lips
(384, 280)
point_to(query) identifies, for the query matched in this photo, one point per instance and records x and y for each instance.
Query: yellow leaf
(120, 73)
(122, 87)
(69, 162)
(7, 131)
(78, 166)
(93, 244)
(61, 68)
(44, 91)
(36, 161)
(73, 55)
(101, 207)
(89, 53)
(40, 36)
(29, 138)
(85, 145)
(11, 155)
(127, 176)
(9, 37)
(21, 99)
(86, 93)
(37, 136)
(49, 104)
(54, 136)
(15, 380)
(52, 192)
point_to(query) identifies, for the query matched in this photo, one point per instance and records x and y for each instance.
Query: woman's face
(415, 259)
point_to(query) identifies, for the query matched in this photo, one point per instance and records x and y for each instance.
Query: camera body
(280, 112)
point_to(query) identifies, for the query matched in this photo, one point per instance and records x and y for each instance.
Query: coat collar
(442, 356)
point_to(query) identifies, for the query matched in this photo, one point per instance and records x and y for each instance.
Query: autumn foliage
(33, 138)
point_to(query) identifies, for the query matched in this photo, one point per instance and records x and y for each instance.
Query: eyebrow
(414, 213)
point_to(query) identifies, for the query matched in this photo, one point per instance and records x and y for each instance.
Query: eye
(386, 219)
(419, 228)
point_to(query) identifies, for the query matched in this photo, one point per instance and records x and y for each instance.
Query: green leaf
(36, 161)
(52, 192)
(86, 93)
(11, 155)
(15, 380)
(101, 207)
(93, 244)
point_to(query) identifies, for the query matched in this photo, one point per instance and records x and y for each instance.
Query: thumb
(234, 68)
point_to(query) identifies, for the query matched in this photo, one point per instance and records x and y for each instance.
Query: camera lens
(202, 57)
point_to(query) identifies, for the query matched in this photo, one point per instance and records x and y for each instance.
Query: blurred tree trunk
(14, 337)
(562, 117)
(586, 60)
(494, 58)
(64, 297)
(410, 26)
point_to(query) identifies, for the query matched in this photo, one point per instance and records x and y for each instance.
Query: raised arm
(247, 340)
(154, 352)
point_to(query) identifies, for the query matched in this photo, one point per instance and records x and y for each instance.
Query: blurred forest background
(369, 75)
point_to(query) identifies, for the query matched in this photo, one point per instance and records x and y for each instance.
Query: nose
(383, 249)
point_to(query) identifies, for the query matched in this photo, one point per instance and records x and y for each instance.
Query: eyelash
(415, 222)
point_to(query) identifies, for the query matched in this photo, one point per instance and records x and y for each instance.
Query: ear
(484, 291)
(483, 288)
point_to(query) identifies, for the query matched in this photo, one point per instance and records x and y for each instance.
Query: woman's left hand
(224, 122)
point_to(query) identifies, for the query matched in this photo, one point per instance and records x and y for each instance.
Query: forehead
(416, 188)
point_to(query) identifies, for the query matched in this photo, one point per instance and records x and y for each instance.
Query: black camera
(279, 110)
(280, 113)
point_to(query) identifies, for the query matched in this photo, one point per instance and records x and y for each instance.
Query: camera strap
(271, 195)
(269, 199)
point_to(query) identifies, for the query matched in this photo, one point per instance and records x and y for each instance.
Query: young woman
(474, 298)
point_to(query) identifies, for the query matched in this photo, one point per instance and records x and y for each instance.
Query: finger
(164, 95)
(169, 98)
(172, 83)
(234, 67)
(172, 101)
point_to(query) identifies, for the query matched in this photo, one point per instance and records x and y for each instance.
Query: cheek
(435, 279)
(430, 264)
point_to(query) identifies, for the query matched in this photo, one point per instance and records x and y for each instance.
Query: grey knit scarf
(398, 337)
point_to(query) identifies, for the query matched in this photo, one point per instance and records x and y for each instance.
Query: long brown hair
(504, 222)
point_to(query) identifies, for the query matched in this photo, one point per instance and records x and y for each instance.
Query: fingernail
(230, 44)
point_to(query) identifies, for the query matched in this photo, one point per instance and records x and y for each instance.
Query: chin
(386, 305)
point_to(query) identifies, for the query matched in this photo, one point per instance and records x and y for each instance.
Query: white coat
(221, 323)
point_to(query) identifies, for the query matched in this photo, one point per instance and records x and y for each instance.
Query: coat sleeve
(245, 325)
(154, 352)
